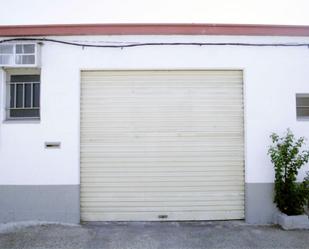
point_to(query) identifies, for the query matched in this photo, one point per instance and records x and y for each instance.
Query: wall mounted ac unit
(19, 55)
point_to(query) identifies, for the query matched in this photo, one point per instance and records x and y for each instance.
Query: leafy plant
(288, 157)
(306, 182)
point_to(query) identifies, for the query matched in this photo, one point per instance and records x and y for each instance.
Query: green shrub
(306, 182)
(288, 157)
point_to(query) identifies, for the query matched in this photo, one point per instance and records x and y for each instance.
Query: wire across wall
(138, 44)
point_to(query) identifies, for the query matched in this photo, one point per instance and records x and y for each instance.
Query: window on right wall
(302, 106)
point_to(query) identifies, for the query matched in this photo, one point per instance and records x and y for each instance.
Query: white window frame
(14, 55)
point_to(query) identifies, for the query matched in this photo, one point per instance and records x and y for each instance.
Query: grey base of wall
(58, 203)
(260, 208)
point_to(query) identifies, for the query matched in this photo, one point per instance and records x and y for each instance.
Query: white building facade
(176, 128)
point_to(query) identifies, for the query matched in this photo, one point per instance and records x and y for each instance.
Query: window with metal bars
(302, 106)
(24, 97)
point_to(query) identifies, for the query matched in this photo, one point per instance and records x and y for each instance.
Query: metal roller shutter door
(162, 144)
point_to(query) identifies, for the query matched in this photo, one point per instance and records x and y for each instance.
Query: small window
(24, 97)
(18, 54)
(302, 106)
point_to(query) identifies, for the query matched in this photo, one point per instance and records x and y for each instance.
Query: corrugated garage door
(162, 145)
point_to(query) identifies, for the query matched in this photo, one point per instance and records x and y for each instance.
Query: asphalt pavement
(152, 235)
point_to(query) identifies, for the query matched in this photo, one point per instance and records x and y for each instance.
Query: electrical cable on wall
(159, 43)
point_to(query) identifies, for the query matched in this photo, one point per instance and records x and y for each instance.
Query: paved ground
(184, 235)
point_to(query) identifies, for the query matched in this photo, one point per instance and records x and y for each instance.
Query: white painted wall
(272, 77)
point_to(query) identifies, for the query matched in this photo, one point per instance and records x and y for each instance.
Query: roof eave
(154, 29)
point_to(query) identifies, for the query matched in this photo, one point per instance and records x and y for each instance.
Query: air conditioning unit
(19, 55)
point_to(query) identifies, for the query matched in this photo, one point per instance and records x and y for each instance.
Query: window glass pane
(28, 59)
(19, 49)
(303, 112)
(28, 95)
(6, 49)
(28, 48)
(18, 59)
(36, 95)
(25, 78)
(302, 101)
(12, 96)
(25, 59)
(19, 95)
(6, 59)
(25, 49)
(27, 113)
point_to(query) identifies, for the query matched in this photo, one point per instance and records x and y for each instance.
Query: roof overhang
(154, 29)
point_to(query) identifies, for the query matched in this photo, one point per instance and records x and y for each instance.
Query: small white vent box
(19, 55)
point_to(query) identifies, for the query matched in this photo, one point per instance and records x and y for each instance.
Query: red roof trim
(154, 29)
